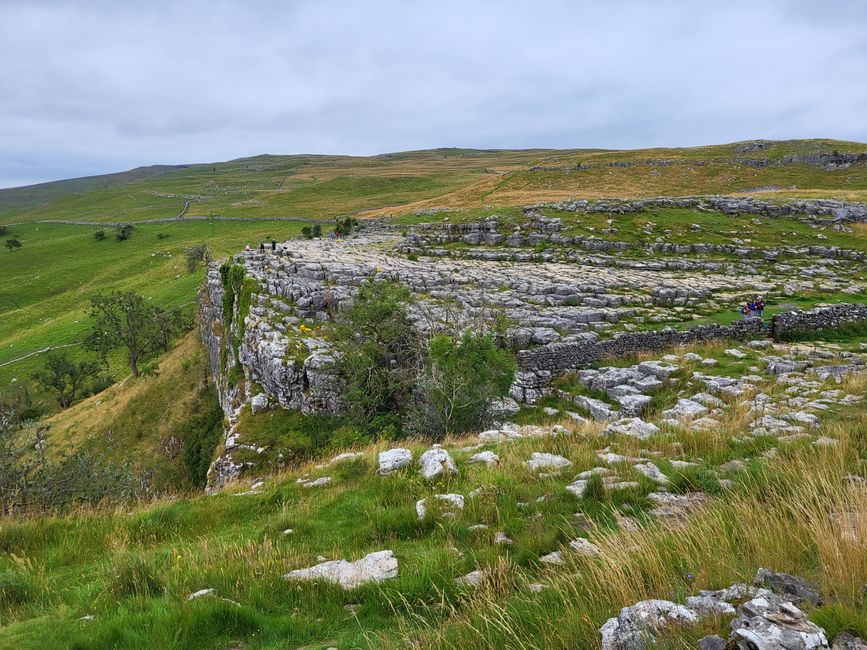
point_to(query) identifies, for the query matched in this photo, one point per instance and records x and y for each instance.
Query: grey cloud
(90, 87)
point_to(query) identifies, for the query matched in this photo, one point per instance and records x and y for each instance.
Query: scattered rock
(791, 587)
(583, 546)
(769, 623)
(394, 459)
(486, 457)
(555, 557)
(450, 502)
(436, 461)
(539, 461)
(633, 427)
(636, 626)
(259, 403)
(375, 567)
(472, 579)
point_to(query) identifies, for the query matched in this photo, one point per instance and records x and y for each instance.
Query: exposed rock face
(375, 567)
(271, 349)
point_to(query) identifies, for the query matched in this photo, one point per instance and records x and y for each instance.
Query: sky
(91, 87)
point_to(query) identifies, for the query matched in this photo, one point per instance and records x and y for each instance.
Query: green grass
(48, 283)
(133, 568)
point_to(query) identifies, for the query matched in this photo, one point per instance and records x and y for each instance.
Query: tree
(12, 244)
(99, 235)
(378, 351)
(65, 377)
(169, 323)
(345, 226)
(461, 376)
(124, 319)
(196, 254)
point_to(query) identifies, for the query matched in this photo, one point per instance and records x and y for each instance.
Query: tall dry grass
(797, 514)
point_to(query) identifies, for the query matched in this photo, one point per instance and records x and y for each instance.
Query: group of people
(262, 246)
(754, 309)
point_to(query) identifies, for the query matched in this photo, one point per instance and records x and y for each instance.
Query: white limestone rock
(487, 457)
(375, 567)
(450, 503)
(394, 459)
(632, 427)
(542, 461)
(435, 462)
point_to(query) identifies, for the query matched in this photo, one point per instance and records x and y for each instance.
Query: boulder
(435, 462)
(790, 587)
(487, 457)
(259, 403)
(632, 427)
(472, 579)
(846, 641)
(375, 567)
(633, 404)
(539, 461)
(771, 623)
(394, 459)
(636, 626)
(598, 409)
(584, 547)
(685, 409)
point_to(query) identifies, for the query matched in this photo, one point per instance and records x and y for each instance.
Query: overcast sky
(90, 87)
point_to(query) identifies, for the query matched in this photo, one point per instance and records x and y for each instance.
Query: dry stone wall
(797, 324)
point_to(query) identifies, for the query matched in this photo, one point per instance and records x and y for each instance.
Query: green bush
(460, 378)
(99, 235)
(379, 353)
(124, 232)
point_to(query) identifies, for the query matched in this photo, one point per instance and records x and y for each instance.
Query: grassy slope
(133, 569)
(146, 420)
(329, 186)
(47, 283)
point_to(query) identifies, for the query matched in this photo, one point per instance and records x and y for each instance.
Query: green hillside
(122, 577)
(329, 186)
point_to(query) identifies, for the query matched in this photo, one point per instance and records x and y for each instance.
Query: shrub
(200, 436)
(163, 235)
(99, 235)
(124, 232)
(12, 244)
(196, 254)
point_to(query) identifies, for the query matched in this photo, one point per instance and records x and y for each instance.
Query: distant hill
(326, 186)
